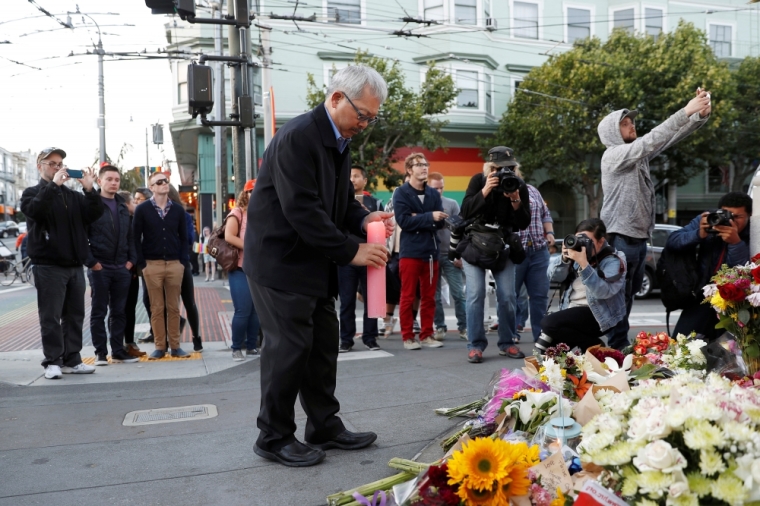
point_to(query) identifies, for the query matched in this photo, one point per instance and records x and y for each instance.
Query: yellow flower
(560, 500)
(563, 372)
(719, 302)
(481, 462)
(482, 497)
(730, 489)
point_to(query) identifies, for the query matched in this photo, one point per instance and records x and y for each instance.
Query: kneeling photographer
(592, 276)
(717, 238)
(496, 204)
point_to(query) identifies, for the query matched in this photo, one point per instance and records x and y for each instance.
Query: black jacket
(418, 229)
(495, 208)
(105, 246)
(301, 209)
(157, 238)
(57, 218)
(371, 204)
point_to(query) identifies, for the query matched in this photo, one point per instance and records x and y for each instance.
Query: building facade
(488, 46)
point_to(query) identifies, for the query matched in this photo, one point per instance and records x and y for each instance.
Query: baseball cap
(49, 151)
(502, 156)
(249, 185)
(629, 113)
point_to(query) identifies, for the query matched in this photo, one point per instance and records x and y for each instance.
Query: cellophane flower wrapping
(503, 390)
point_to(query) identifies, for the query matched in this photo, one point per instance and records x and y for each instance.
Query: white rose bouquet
(677, 442)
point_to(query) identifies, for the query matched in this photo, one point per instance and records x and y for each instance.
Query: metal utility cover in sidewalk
(168, 415)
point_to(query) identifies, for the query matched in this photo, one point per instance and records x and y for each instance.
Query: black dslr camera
(577, 243)
(508, 180)
(719, 218)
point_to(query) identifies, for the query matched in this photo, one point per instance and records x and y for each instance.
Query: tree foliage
(552, 120)
(131, 179)
(742, 143)
(407, 118)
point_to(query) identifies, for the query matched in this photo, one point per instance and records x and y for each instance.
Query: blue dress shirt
(342, 142)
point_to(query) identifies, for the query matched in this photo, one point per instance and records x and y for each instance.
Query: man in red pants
(419, 213)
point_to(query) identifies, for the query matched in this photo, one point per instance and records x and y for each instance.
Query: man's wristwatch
(549, 232)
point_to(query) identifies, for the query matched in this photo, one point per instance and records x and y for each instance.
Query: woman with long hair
(245, 322)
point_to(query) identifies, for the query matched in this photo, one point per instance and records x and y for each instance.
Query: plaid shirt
(533, 237)
(162, 213)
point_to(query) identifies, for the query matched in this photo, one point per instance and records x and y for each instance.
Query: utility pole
(102, 101)
(147, 158)
(234, 38)
(266, 83)
(220, 141)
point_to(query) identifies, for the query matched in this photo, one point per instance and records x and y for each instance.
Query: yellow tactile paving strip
(167, 358)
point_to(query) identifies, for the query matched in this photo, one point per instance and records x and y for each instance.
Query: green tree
(552, 120)
(407, 118)
(743, 133)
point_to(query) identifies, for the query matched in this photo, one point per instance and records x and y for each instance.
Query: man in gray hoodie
(628, 208)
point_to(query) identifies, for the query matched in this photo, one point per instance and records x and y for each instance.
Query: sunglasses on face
(160, 182)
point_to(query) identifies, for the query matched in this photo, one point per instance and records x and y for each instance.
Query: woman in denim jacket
(594, 291)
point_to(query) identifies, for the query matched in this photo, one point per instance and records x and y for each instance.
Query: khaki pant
(164, 280)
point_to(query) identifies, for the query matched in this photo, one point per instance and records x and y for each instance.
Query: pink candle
(376, 276)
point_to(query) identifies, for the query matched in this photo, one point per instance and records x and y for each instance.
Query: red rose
(755, 258)
(731, 292)
(646, 343)
(641, 335)
(640, 350)
(756, 274)
(662, 337)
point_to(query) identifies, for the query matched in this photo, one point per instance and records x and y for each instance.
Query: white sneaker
(429, 342)
(412, 344)
(79, 369)
(440, 334)
(463, 335)
(52, 372)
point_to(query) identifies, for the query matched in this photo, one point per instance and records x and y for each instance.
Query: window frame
(733, 35)
(182, 80)
(540, 4)
(362, 14)
(585, 7)
(327, 68)
(514, 83)
(662, 8)
(478, 87)
(720, 191)
(618, 8)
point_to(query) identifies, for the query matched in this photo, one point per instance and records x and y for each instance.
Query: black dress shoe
(296, 454)
(347, 440)
(148, 339)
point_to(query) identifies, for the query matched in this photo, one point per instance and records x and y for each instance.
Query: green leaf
(752, 351)
(744, 316)
(725, 323)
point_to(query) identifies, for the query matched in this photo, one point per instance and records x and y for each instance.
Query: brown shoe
(134, 351)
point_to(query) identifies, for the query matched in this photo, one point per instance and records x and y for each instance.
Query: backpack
(679, 276)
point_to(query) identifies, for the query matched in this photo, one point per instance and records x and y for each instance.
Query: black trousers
(60, 306)
(702, 319)
(110, 288)
(350, 280)
(574, 326)
(130, 310)
(299, 359)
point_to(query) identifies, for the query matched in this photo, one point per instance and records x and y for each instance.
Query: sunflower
(516, 483)
(482, 497)
(481, 462)
(560, 500)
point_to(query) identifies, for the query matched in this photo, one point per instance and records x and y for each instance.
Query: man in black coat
(301, 211)
(56, 219)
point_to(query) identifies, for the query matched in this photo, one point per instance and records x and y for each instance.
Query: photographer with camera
(495, 205)
(592, 274)
(723, 238)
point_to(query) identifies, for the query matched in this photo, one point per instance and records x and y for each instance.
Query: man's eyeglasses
(362, 117)
(423, 164)
(160, 182)
(54, 165)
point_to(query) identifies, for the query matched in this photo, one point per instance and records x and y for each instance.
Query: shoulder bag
(226, 254)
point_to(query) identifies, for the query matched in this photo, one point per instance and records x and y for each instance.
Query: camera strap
(604, 253)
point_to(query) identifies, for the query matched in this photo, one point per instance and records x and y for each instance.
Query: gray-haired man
(300, 211)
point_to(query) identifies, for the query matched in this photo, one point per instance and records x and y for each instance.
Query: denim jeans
(505, 305)
(110, 288)
(522, 306)
(245, 322)
(532, 274)
(455, 278)
(352, 279)
(635, 256)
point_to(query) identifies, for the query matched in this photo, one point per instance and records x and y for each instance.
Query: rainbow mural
(457, 165)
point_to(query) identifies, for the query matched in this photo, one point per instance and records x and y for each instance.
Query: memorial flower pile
(563, 370)
(735, 295)
(679, 441)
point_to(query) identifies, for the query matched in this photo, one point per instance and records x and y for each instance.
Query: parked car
(8, 228)
(654, 250)
(22, 227)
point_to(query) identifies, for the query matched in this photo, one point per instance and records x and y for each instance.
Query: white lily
(612, 366)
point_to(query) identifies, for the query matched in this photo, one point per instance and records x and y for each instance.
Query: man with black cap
(628, 207)
(57, 218)
(498, 211)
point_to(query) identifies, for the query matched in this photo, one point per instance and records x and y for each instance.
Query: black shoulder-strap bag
(484, 246)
